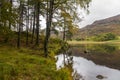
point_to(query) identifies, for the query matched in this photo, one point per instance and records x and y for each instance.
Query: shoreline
(92, 42)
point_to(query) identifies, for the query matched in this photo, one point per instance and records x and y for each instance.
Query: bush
(79, 39)
(5, 34)
(105, 37)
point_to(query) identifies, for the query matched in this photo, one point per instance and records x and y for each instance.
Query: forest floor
(29, 63)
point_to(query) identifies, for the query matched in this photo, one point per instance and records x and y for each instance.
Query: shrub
(105, 37)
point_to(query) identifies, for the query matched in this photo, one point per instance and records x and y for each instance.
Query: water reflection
(88, 70)
(102, 54)
(93, 62)
(63, 60)
(95, 48)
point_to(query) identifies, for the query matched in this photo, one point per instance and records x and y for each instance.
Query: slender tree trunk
(33, 31)
(11, 2)
(48, 24)
(37, 22)
(27, 25)
(31, 24)
(20, 24)
(19, 33)
(0, 11)
(64, 31)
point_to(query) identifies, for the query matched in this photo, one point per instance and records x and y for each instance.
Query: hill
(107, 25)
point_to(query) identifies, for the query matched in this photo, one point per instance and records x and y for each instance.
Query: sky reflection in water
(89, 70)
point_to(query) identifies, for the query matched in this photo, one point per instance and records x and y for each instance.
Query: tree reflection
(104, 48)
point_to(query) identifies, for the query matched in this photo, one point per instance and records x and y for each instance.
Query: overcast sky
(101, 9)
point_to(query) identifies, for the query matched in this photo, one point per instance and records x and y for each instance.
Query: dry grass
(93, 42)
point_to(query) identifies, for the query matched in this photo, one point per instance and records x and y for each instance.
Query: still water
(93, 62)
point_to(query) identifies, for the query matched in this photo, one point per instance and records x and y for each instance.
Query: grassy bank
(28, 62)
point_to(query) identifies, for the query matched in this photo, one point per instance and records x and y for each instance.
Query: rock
(99, 76)
(77, 76)
(86, 51)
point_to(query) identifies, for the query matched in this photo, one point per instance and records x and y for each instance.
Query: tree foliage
(25, 15)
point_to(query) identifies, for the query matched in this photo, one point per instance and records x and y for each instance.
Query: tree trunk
(20, 24)
(31, 24)
(37, 22)
(64, 33)
(48, 26)
(27, 24)
(11, 2)
(33, 31)
(0, 12)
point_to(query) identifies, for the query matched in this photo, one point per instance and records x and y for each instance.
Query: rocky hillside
(111, 24)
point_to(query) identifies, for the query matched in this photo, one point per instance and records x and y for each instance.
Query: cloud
(100, 9)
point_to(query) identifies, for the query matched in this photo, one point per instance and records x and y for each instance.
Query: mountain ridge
(107, 25)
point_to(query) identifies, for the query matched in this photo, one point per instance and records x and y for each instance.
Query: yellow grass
(93, 42)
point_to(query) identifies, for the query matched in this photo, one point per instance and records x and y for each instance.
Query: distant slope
(111, 24)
